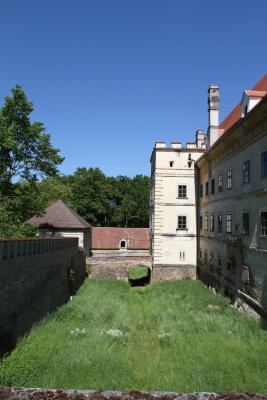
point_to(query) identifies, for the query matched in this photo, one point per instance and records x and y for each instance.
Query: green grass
(169, 341)
(138, 272)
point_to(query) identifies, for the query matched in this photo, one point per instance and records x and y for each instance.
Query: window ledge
(182, 198)
(182, 229)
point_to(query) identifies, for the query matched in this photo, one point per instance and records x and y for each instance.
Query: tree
(53, 189)
(26, 154)
(25, 148)
(91, 195)
(132, 202)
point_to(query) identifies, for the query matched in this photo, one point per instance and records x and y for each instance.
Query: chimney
(200, 139)
(213, 102)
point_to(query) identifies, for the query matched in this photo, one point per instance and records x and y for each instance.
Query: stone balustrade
(23, 247)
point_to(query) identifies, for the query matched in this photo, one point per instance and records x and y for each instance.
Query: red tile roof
(235, 114)
(59, 215)
(256, 93)
(109, 238)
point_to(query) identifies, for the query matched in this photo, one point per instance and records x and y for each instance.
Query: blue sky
(109, 78)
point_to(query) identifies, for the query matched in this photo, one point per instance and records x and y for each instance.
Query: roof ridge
(235, 114)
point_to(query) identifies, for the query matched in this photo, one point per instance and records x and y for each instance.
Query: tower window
(171, 163)
(182, 222)
(182, 191)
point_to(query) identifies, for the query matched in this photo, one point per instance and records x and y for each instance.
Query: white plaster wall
(167, 240)
(172, 246)
(83, 237)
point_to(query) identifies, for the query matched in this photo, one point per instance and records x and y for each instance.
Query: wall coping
(32, 393)
(33, 238)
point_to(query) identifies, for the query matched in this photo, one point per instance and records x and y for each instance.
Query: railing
(22, 247)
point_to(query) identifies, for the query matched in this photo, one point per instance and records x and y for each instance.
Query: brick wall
(34, 276)
(114, 267)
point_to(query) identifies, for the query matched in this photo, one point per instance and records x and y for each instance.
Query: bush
(138, 272)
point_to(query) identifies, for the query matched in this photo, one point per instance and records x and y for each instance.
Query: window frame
(212, 186)
(206, 222)
(263, 223)
(219, 225)
(229, 223)
(182, 222)
(245, 223)
(182, 192)
(211, 258)
(229, 179)
(212, 224)
(220, 183)
(246, 171)
(264, 164)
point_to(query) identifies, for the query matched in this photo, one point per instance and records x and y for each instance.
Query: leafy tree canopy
(26, 154)
(103, 201)
(25, 148)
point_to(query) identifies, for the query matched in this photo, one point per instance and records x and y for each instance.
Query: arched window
(123, 244)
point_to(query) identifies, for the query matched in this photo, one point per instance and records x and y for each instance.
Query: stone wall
(114, 267)
(8, 393)
(172, 273)
(34, 276)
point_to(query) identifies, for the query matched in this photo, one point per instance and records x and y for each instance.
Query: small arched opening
(123, 244)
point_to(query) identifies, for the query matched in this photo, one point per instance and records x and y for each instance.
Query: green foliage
(25, 154)
(115, 337)
(138, 272)
(132, 202)
(101, 200)
(51, 190)
(71, 274)
(91, 193)
(25, 148)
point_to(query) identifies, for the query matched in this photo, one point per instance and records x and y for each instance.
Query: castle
(208, 202)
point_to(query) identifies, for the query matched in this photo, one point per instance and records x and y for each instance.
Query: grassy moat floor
(162, 337)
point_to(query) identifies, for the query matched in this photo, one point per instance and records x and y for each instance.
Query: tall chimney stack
(213, 102)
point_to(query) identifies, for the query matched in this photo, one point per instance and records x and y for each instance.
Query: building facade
(173, 228)
(59, 220)
(232, 245)
(221, 225)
